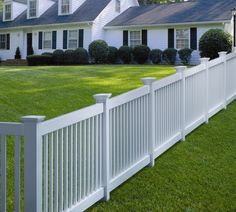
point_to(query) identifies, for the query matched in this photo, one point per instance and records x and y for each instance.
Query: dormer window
(32, 13)
(8, 12)
(118, 6)
(65, 7)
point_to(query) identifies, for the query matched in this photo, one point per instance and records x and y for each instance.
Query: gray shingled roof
(192, 11)
(21, 1)
(87, 12)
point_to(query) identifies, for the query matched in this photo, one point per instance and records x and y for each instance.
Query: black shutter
(8, 41)
(171, 38)
(40, 40)
(54, 39)
(81, 38)
(144, 37)
(193, 39)
(125, 38)
(65, 39)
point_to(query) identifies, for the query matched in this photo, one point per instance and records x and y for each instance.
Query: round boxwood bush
(47, 53)
(185, 55)
(112, 55)
(141, 54)
(156, 56)
(98, 51)
(69, 57)
(169, 56)
(81, 56)
(58, 57)
(125, 54)
(214, 41)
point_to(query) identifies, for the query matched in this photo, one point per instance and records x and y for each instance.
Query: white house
(46, 25)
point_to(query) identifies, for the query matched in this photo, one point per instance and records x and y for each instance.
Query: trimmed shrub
(58, 57)
(69, 57)
(185, 55)
(81, 56)
(169, 56)
(98, 51)
(18, 54)
(112, 55)
(38, 60)
(125, 54)
(156, 56)
(141, 54)
(214, 41)
(47, 53)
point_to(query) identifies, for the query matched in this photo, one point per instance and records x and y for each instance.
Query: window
(8, 12)
(65, 7)
(135, 38)
(47, 40)
(73, 39)
(3, 41)
(118, 6)
(32, 8)
(182, 38)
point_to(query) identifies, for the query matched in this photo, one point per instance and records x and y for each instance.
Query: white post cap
(102, 98)
(222, 54)
(35, 119)
(234, 49)
(204, 60)
(148, 80)
(180, 69)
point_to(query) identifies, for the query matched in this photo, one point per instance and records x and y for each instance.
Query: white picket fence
(77, 159)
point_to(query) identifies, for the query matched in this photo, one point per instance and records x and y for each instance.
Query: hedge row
(60, 57)
(101, 53)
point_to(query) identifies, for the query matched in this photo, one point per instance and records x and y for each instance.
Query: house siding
(158, 36)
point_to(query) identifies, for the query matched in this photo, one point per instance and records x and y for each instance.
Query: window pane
(32, 8)
(73, 39)
(65, 6)
(135, 38)
(182, 38)
(8, 12)
(47, 42)
(3, 41)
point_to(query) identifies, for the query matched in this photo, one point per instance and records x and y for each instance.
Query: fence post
(103, 98)
(223, 56)
(181, 70)
(32, 163)
(204, 61)
(149, 82)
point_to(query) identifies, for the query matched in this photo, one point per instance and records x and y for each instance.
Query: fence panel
(230, 78)
(216, 88)
(195, 100)
(168, 112)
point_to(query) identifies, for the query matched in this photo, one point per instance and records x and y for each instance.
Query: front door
(29, 44)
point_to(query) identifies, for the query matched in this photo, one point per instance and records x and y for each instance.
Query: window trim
(28, 9)
(68, 38)
(4, 8)
(129, 41)
(189, 37)
(60, 8)
(48, 40)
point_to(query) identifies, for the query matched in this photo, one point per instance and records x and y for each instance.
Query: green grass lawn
(196, 175)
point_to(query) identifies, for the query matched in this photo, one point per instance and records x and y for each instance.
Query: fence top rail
(11, 128)
(231, 56)
(195, 70)
(70, 119)
(215, 62)
(128, 97)
(166, 81)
